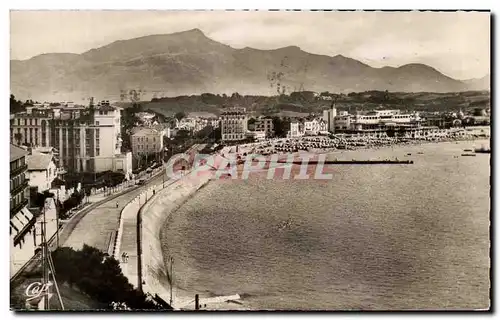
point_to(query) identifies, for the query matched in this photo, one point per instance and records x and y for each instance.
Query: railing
(17, 171)
(19, 188)
(18, 207)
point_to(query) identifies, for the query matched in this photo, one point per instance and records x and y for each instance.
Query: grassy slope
(422, 101)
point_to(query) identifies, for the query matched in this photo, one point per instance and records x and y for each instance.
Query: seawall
(139, 232)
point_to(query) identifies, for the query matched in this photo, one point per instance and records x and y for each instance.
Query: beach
(213, 258)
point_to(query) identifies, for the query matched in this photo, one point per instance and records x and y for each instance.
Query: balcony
(19, 188)
(18, 207)
(19, 170)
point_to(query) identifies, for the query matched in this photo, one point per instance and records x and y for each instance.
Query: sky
(455, 43)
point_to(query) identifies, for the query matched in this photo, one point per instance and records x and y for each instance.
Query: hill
(301, 104)
(188, 62)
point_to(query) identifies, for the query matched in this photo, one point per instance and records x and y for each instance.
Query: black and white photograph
(250, 160)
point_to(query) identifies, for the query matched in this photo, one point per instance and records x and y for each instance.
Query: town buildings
(21, 219)
(329, 116)
(42, 171)
(147, 141)
(378, 120)
(315, 126)
(296, 129)
(265, 124)
(146, 118)
(25, 225)
(195, 124)
(257, 135)
(88, 139)
(234, 125)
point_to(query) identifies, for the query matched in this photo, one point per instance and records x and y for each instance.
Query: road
(96, 226)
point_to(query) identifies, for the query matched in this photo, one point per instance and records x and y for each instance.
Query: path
(96, 226)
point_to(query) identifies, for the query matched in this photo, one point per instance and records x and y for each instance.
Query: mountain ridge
(189, 62)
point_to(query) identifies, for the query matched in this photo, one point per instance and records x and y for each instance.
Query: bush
(98, 276)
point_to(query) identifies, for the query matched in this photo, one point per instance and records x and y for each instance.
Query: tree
(180, 115)
(18, 138)
(16, 106)
(98, 276)
(281, 126)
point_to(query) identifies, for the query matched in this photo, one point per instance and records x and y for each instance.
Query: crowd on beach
(348, 142)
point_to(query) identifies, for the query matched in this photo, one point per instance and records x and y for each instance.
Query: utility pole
(47, 270)
(171, 280)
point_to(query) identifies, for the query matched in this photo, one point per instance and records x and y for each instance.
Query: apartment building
(21, 219)
(147, 141)
(88, 139)
(266, 125)
(234, 125)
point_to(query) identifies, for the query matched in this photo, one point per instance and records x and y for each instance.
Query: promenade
(95, 227)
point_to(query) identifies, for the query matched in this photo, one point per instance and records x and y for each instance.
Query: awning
(18, 221)
(22, 218)
(23, 222)
(27, 214)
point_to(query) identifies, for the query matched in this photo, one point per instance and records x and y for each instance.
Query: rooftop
(144, 130)
(38, 161)
(16, 152)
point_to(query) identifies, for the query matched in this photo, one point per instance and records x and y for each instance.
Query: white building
(146, 117)
(41, 171)
(315, 126)
(257, 135)
(147, 141)
(323, 126)
(343, 122)
(234, 125)
(87, 139)
(296, 130)
(381, 119)
(107, 137)
(187, 124)
(329, 117)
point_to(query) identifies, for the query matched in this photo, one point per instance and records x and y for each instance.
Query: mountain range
(189, 62)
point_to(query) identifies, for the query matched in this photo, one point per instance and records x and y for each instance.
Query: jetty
(350, 162)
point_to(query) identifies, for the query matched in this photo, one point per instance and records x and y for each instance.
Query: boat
(468, 155)
(420, 152)
(482, 150)
(468, 150)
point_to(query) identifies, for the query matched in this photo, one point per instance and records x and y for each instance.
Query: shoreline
(185, 297)
(153, 215)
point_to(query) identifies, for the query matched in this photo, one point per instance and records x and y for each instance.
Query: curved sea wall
(152, 216)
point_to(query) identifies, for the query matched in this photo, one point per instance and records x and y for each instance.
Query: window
(36, 122)
(97, 151)
(18, 122)
(97, 123)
